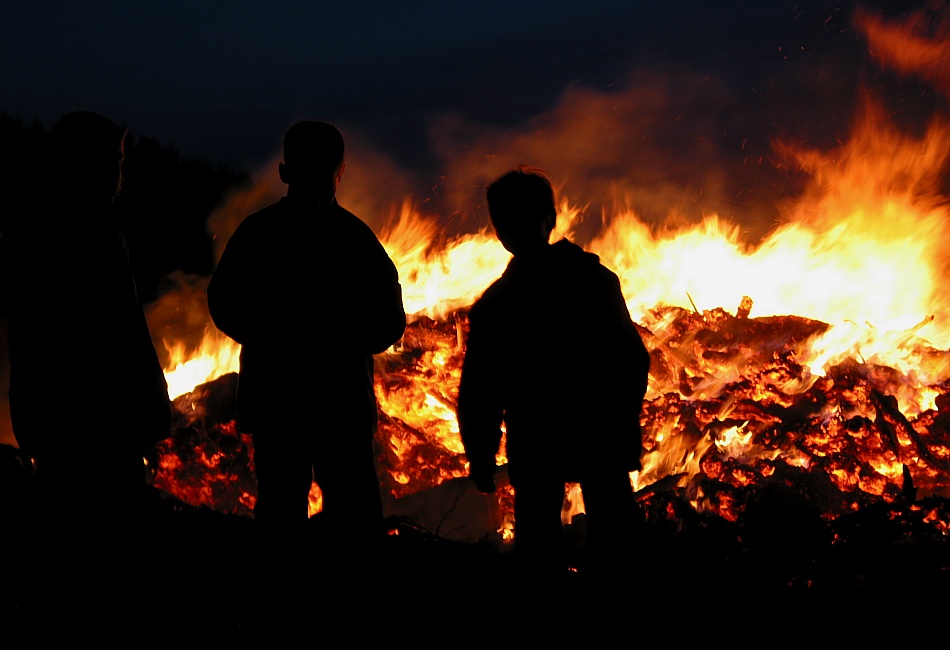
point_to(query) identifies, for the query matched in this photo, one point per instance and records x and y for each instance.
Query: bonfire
(814, 363)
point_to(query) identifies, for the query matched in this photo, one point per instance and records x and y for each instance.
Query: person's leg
(279, 554)
(345, 469)
(284, 475)
(539, 534)
(612, 518)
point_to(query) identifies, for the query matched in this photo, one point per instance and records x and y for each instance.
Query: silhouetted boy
(553, 354)
(309, 292)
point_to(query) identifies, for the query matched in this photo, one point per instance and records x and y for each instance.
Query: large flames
(820, 350)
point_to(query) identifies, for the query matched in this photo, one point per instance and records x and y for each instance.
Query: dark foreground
(196, 576)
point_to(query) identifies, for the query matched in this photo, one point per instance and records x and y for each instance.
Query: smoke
(917, 45)
(668, 146)
(655, 146)
(674, 145)
(263, 189)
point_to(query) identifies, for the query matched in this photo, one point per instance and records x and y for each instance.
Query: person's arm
(634, 358)
(370, 310)
(480, 410)
(631, 352)
(387, 325)
(230, 290)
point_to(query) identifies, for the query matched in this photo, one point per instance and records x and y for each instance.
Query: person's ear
(284, 174)
(339, 174)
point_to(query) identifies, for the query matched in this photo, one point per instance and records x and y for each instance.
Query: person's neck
(532, 252)
(311, 198)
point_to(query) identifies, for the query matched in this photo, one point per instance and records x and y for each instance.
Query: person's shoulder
(493, 299)
(582, 262)
(348, 225)
(567, 253)
(340, 212)
(348, 218)
(605, 271)
(279, 207)
(261, 219)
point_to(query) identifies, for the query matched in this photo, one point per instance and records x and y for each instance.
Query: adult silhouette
(88, 398)
(311, 295)
(553, 354)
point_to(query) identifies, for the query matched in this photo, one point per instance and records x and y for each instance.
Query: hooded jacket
(553, 355)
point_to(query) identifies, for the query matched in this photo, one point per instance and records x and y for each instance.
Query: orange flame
(215, 356)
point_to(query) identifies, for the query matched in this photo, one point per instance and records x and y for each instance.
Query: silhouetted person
(309, 292)
(88, 397)
(553, 354)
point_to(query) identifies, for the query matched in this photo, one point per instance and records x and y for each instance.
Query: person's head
(313, 158)
(87, 152)
(522, 210)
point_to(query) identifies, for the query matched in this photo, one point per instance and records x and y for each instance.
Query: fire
(864, 246)
(439, 278)
(822, 347)
(215, 355)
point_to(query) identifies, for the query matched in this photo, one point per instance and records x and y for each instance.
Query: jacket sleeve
(633, 374)
(480, 405)
(634, 352)
(231, 291)
(373, 315)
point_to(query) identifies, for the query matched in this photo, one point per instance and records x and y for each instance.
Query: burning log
(896, 429)
(208, 462)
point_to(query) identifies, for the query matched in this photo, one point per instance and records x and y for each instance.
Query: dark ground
(781, 575)
(196, 576)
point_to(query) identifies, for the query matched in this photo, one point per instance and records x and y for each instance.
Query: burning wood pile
(731, 416)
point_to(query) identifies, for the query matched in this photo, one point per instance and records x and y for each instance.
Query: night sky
(674, 103)
(672, 108)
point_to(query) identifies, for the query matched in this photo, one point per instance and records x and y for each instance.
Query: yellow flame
(217, 355)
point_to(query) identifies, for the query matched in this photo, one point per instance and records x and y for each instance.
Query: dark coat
(84, 373)
(553, 354)
(310, 296)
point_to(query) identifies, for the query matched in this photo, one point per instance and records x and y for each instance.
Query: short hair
(519, 201)
(313, 145)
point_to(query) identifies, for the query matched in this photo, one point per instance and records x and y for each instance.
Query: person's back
(560, 328)
(311, 295)
(553, 354)
(279, 290)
